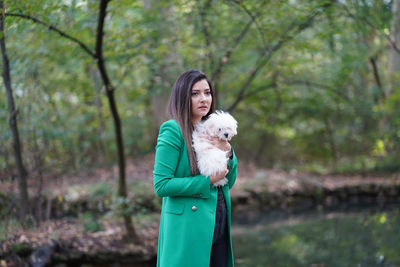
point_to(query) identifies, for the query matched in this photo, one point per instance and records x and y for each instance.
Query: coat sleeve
(168, 149)
(232, 166)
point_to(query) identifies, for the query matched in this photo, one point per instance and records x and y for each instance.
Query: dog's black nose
(226, 135)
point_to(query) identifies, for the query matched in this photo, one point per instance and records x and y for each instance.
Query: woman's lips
(203, 107)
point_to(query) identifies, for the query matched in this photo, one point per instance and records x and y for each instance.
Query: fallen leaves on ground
(69, 233)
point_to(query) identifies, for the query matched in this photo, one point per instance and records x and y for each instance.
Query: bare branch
(99, 45)
(316, 84)
(264, 87)
(267, 54)
(253, 18)
(55, 29)
(229, 51)
(245, 86)
(378, 82)
(205, 30)
(363, 19)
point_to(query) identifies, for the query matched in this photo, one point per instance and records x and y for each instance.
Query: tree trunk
(374, 64)
(331, 140)
(98, 56)
(122, 192)
(98, 86)
(23, 188)
(394, 56)
(38, 162)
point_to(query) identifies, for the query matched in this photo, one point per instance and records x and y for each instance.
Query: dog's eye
(219, 129)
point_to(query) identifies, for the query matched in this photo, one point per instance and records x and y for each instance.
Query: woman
(195, 216)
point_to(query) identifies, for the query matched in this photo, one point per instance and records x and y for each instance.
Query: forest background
(314, 85)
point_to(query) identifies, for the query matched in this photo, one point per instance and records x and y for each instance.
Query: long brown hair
(180, 108)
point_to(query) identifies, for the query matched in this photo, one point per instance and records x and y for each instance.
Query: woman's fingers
(221, 144)
(218, 176)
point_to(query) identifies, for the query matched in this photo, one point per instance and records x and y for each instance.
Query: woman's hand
(221, 144)
(218, 176)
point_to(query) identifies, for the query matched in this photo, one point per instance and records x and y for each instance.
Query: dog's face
(226, 133)
(221, 125)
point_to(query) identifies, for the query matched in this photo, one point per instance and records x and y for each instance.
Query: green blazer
(188, 203)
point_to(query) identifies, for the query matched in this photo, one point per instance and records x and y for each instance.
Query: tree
(22, 174)
(110, 90)
(394, 51)
(122, 192)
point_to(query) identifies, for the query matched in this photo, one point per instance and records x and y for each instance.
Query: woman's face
(201, 100)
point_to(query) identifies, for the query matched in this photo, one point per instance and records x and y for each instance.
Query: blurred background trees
(314, 85)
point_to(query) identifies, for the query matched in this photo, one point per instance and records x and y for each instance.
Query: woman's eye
(208, 93)
(194, 93)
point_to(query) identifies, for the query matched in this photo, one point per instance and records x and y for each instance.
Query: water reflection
(352, 237)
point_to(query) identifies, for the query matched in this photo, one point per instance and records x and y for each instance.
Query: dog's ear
(234, 123)
(212, 128)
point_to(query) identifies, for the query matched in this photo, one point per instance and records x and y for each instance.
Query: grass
(8, 225)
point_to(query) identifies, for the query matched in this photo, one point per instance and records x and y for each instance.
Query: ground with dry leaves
(70, 235)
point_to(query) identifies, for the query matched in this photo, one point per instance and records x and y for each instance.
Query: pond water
(356, 236)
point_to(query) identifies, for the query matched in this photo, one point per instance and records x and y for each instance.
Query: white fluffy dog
(211, 159)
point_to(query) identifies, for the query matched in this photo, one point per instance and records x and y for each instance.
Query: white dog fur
(210, 159)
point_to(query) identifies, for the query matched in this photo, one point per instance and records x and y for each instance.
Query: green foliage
(91, 223)
(22, 249)
(101, 190)
(7, 226)
(141, 200)
(4, 204)
(314, 101)
(388, 164)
